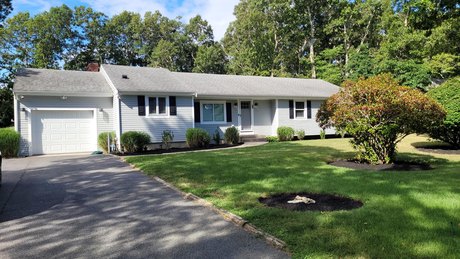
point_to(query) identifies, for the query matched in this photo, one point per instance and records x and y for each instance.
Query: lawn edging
(235, 219)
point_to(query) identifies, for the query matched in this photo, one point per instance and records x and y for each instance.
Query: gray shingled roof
(159, 80)
(255, 86)
(50, 82)
(144, 80)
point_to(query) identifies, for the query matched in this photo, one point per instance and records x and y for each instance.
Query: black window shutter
(172, 106)
(291, 109)
(197, 112)
(308, 109)
(229, 112)
(141, 105)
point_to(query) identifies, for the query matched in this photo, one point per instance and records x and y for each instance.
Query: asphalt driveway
(99, 207)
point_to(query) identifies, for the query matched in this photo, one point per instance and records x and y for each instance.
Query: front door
(246, 115)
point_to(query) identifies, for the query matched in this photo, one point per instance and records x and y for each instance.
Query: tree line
(418, 41)
(71, 38)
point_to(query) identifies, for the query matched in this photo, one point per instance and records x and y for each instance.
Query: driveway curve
(99, 207)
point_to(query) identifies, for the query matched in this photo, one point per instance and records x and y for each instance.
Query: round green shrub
(448, 95)
(102, 140)
(300, 134)
(197, 137)
(285, 133)
(272, 139)
(232, 135)
(9, 142)
(134, 141)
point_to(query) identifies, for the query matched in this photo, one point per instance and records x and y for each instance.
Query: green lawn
(405, 214)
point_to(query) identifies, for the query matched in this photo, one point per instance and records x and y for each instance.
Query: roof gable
(144, 79)
(59, 82)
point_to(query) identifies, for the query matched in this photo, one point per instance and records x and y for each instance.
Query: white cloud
(219, 13)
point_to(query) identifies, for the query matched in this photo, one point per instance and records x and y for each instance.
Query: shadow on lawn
(404, 214)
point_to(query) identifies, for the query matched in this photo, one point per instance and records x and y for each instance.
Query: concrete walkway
(99, 207)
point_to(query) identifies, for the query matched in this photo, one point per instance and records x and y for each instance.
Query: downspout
(275, 119)
(194, 96)
(16, 113)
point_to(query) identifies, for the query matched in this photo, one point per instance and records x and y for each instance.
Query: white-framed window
(302, 109)
(157, 105)
(213, 112)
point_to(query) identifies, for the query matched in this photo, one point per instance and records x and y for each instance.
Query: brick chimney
(93, 67)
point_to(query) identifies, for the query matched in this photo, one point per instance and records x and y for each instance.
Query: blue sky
(219, 13)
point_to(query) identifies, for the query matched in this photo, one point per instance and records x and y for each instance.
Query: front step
(253, 138)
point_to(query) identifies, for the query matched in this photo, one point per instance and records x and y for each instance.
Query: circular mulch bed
(323, 202)
(397, 166)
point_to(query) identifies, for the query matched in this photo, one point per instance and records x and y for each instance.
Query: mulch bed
(175, 150)
(397, 166)
(323, 202)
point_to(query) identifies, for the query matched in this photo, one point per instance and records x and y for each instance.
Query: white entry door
(63, 132)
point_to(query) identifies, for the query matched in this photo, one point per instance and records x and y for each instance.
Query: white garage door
(63, 132)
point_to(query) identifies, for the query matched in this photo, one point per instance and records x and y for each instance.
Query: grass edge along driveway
(405, 214)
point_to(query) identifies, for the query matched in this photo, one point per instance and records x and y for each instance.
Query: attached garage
(63, 131)
(61, 111)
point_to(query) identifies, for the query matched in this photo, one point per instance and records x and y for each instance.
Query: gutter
(261, 97)
(72, 94)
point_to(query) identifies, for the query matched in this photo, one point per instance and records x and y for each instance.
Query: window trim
(147, 106)
(213, 122)
(305, 110)
(295, 110)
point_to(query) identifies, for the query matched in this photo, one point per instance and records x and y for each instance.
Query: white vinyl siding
(155, 125)
(104, 117)
(263, 117)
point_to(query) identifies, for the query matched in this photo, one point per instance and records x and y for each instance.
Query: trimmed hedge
(102, 140)
(9, 142)
(272, 139)
(197, 137)
(134, 141)
(285, 133)
(232, 135)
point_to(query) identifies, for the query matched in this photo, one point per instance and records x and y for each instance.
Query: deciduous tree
(5, 9)
(378, 113)
(448, 94)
